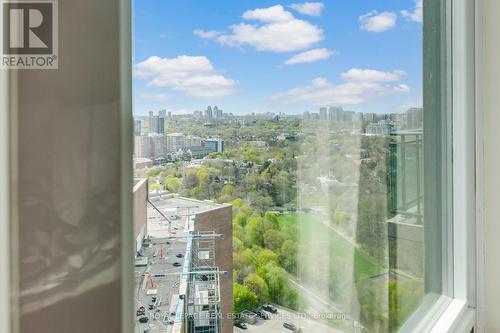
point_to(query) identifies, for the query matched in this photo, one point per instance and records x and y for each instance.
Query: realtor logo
(29, 35)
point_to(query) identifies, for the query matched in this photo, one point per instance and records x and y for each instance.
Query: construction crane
(163, 215)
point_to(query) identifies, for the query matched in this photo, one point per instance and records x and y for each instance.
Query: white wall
(489, 103)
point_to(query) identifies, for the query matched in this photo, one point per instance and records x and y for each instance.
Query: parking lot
(275, 324)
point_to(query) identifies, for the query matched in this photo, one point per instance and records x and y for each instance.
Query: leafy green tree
(267, 256)
(290, 298)
(255, 230)
(228, 190)
(243, 298)
(173, 184)
(256, 284)
(276, 279)
(241, 219)
(273, 239)
(155, 187)
(238, 245)
(249, 256)
(288, 256)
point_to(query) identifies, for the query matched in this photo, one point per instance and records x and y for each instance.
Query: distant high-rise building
(369, 117)
(349, 116)
(149, 146)
(323, 113)
(217, 112)
(157, 122)
(307, 115)
(214, 145)
(175, 142)
(335, 114)
(157, 142)
(209, 113)
(415, 118)
(380, 128)
(197, 114)
(142, 146)
(137, 127)
(195, 145)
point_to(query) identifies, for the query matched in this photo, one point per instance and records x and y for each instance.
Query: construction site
(183, 273)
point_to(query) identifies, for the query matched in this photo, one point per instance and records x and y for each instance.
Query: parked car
(176, 264)
(240, 324)
(141, 311)
(270, 308)
(289, 326)
(262, 314)
(143, 320)
(248, 317)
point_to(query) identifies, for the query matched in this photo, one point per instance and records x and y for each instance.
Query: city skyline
(277, 56)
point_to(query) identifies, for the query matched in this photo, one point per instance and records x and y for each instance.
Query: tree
(228, 190)
(276, 279)
(239, 232)
(267, 256)
(272, 219)
(191, 180)
(255, 230)
(241, 219)
(155, 187)
(288, 257)
(173, 184)
(243, 298)
(238, 245)
(256, 284)
(290, 298)
(273, 239)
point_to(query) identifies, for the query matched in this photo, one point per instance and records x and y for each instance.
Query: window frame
(457, 314)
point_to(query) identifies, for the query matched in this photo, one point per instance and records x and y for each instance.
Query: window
(338, 133)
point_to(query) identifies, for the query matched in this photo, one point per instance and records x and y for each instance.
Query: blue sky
(260, 56)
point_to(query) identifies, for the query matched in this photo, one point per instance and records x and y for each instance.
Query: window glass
(292, 164)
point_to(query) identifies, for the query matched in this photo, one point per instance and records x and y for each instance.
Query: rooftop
(161, 272)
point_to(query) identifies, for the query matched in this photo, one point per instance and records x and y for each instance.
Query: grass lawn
(314, 235)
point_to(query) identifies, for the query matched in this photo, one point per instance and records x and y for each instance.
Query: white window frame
(442, 314)
(460, 315)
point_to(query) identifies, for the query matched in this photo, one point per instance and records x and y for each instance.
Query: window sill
(440, 314)
(457, 318)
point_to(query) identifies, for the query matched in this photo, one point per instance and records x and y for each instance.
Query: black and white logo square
(29, 34)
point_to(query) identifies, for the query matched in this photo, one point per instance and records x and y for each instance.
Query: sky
(277, 56)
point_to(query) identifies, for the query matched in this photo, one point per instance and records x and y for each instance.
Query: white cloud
(194, 76)
(271, 14)
(309, 56)
(276, 30)
(417, 14)
(354, 90)
(371, 75)
(378, 22)
(154, 97)
(308, 8)
(206, 34)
